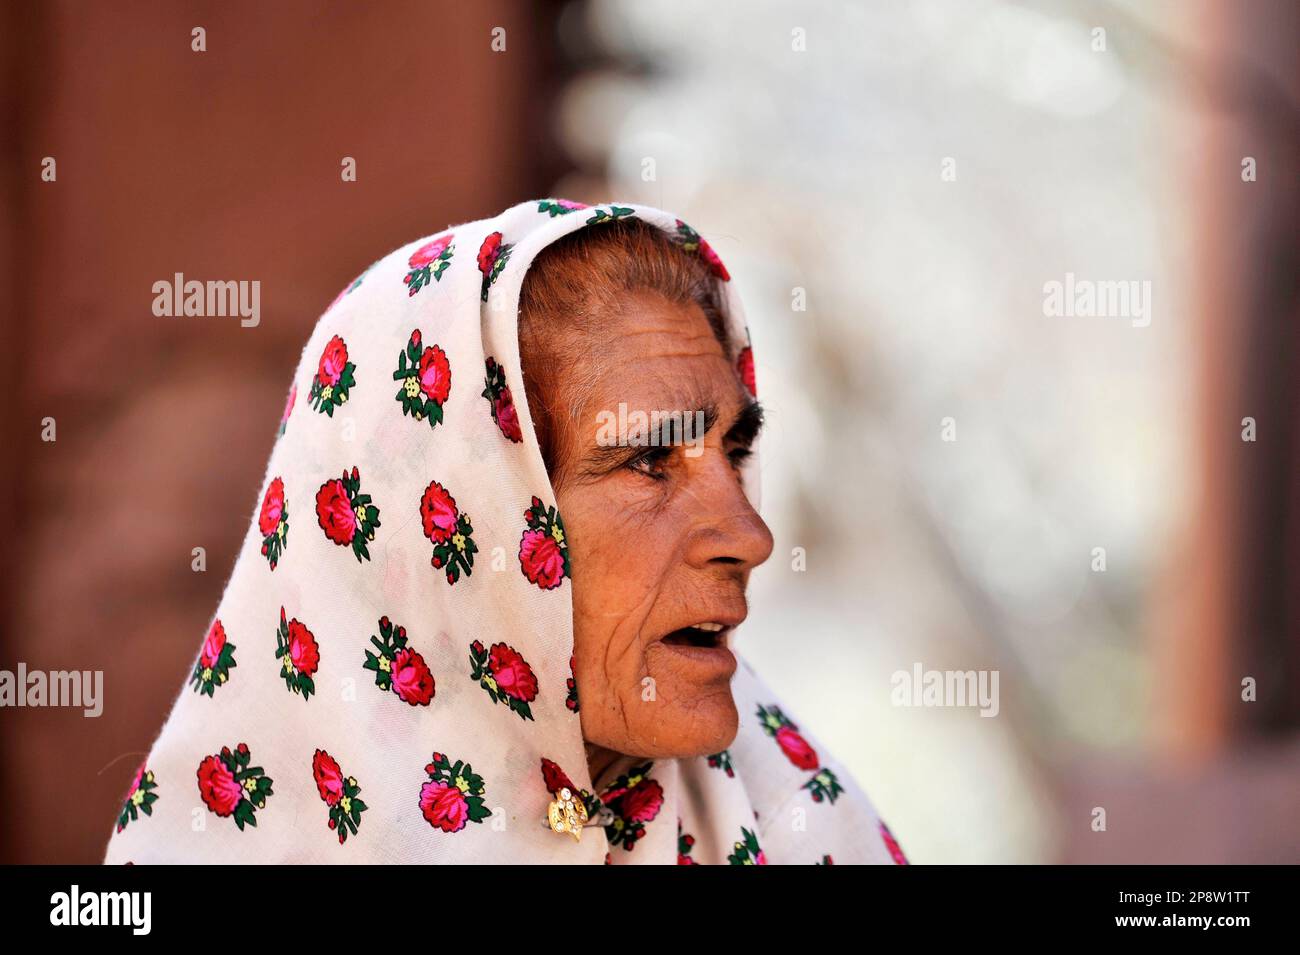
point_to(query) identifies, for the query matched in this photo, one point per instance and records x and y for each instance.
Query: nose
(730, 534)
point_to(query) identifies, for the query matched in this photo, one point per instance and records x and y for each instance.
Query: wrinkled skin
(658, 539)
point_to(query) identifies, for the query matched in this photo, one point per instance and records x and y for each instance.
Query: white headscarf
(389, 674)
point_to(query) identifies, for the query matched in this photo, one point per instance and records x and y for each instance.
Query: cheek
(621, 559)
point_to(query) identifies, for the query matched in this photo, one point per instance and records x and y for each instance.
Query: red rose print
(273, 522)
(692, 242)
(429, 252)
(272, 507)
(428, 262)
(507, 417)
(303, 651)
(635, 799)
(540, 557)
(230, 787)
(218, 788)
(555, 778)
(505, 676)
(895, 850)
(438, 513)
(492, 257)
(216, 660)
(450, 531)
(347, 516)
(332, 362)
(512, 674)
(334, 378)
(398, 667)
(444, 806)
(685, 843)
(329, 778)
(299, 655)
(139, 798)
(425, 375)
(411, 679)
(488, 251)
(334, 512)
(341, 793)
(642, 802)
(453, 795)
(571, 684)
(823, 786)
(502, 402)
(796, 748)
(212, 646)
(715, 263)
(435, 374)
(745, 366)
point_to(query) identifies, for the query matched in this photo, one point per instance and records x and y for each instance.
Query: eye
(738, 456)
(650, 462)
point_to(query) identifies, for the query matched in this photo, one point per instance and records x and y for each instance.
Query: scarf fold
(389, 674)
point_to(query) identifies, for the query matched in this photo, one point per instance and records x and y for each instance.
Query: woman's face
(661, 539)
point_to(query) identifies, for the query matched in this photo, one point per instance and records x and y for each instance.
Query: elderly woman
(418, 659)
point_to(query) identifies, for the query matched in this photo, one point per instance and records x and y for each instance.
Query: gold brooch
(566, 813)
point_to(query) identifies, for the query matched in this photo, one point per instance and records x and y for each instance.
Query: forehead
(655, 353)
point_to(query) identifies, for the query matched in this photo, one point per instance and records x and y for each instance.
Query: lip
(730, 620)
(705, 664)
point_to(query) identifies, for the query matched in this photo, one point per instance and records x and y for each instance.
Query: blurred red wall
(223, 164)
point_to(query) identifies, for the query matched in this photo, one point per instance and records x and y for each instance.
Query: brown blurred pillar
(221, 165)
(1234, 598)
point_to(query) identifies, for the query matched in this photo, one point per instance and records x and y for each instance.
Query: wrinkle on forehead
(650, 343)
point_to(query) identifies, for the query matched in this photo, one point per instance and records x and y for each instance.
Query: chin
(707, 727)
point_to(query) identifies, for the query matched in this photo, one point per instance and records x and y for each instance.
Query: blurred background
(919, 170)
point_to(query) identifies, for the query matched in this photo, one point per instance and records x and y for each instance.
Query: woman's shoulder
(808, 806)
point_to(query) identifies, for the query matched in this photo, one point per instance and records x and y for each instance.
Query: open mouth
(707, 635)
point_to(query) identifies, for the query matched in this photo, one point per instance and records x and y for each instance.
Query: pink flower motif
(303, 651)
(329, 778)
(135, 781)
(642, 802)
(334, 512)
(412, 681)
(513, 676)
(745, 366)
(506, 415)
(213, 645)
(272, 507)
(435, 374)
(444, 806)
(218, 788)
(488, 252)
(895, 851)
(541, 560)
(715, 263)
(796, 748)
(427, 253)
(438, 513)
(332, 362)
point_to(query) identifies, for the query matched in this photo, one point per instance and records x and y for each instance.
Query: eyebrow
(744, 428)
(743, 431)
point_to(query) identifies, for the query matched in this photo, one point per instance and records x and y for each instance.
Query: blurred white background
(820, 169)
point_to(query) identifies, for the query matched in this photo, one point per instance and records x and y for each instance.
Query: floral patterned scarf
(389, 674)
